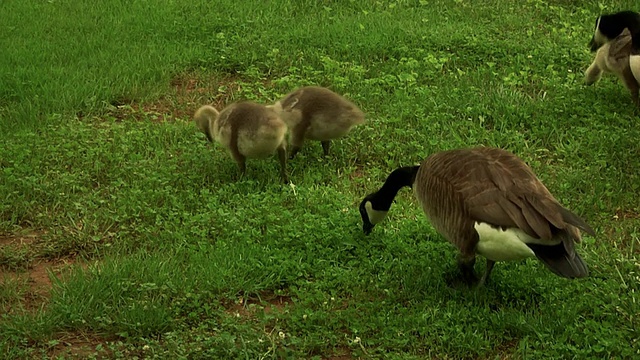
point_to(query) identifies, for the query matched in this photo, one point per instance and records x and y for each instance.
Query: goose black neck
(635, 42)
(399, 178)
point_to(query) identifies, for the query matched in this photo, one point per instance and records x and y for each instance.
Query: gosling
(246, 130)
(317, 113)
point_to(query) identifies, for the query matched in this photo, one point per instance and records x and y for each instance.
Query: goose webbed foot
(465, 264)
(294, 150)
(485, 276)
(326, 145)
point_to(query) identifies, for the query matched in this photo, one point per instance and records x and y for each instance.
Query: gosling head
(204, 118)
(277, 107)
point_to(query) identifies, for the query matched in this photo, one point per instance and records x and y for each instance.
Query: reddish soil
(504, 351)
(35, 286)
(268, 303)
(79, 346)
(341, 353)
(37, 280)
(339, 357)
(36, 277)
(627, 214)
(622, 231)
(190, 92)
(357, 173)
(19, 241)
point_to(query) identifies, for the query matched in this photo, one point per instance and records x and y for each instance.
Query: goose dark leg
(466, 263)
(485, 276)
(294, 150)
(243, 168)
(631, 84)
(297, 138)
(282, 156)
(325, 147)
(241, 160)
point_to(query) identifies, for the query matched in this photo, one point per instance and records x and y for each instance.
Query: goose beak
(367, 226)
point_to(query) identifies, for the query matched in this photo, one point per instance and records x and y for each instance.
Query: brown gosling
(317, 113)
(487, 201)
(246, 130)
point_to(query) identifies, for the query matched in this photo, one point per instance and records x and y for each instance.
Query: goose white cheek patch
(597, 35)
(375, 216)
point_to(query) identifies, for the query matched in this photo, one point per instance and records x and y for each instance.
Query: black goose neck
(399, 178)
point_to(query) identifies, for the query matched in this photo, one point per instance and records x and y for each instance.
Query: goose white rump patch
(634, 63)
(505, 245)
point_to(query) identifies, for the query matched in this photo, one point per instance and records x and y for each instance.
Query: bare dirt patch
(16, 250)
(504, 351)
(627, 214)
(340, 357)
(190, 91)
(20, 240)
(276, 303)
(79, 346)
(621, 231)
(37, 280)
(268, 303)
(357, 173)
(39, 273)
(341, 353)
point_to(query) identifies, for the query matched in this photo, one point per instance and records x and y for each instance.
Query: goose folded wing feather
(620, 49)
(500, 196)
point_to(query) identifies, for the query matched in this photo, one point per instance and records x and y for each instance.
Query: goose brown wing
(619, 50)
(291, 100)
(500, 189)
(460, 187)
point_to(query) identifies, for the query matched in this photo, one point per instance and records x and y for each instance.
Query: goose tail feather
(576, 221)
(560, 262)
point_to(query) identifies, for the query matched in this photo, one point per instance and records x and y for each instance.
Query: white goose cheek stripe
(375, 216)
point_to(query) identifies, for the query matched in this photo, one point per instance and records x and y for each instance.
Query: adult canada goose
(246, 130)
(317, 113)
(609, 26)
(487, 201)
(616, 56)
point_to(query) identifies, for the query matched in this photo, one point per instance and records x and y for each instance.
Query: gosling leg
(631, 84)
(241, 160)
(282, 156)
(325, 147)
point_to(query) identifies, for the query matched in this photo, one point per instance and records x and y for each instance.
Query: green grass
(100, 157)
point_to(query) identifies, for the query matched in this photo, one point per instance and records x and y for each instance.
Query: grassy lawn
(123, 233)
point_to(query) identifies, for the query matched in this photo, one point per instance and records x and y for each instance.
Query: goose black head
(367, 225)
(609, 26)
(375, 206)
